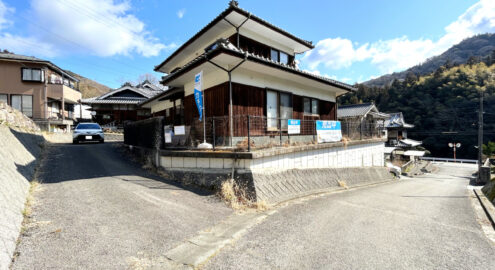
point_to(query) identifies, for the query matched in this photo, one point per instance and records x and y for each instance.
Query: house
(364, 117)
(120, 105)
(40, 89)
(249, 70)
(398, 144)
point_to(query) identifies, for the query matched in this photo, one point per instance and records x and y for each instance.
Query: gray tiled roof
(226, 45)
(108, 98)
(354, 110)
(396, 120)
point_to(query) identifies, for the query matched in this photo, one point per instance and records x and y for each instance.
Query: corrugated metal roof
(414, 153)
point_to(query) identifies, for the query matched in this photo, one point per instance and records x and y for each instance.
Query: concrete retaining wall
(19, 151)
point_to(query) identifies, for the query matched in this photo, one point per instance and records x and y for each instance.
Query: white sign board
(179, 130)
(328, 131)
(294, 126)
(168, 137)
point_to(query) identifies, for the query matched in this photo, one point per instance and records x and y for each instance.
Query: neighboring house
(398, 144)
(364, 117)
(40, 89)
(249, 68)
(120, 105)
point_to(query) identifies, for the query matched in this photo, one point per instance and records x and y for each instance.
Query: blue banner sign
(328, 131)
(198, 94)
(294, 126)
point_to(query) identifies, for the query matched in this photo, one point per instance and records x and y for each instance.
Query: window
(23, 103)
(278, 109)
(314, 106)
(307, 106)
(274, 55)
(284, 58)
(32, 75)
(4, 98)
(285, 108)
(311, 106)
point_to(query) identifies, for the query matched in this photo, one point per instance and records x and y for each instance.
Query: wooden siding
(249, 100)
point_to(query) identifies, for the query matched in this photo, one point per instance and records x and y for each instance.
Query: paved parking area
(97, 210)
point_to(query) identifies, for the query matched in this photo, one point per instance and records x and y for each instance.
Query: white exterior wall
(248, 77)
(364, 155)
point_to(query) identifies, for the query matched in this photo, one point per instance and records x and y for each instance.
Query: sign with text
(328, 131)
(179, 130)
(294, 126)
(198, 94)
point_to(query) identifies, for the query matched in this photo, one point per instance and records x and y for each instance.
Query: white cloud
(4, 11)
(181, 13)
(401, 53)
(26, 45)
(102, 27)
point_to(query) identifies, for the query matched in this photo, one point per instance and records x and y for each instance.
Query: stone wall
(20, 146)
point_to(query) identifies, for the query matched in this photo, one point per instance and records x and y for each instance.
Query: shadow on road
(68, 162)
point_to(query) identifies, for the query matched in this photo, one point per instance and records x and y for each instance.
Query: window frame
(279, 105)
(311, 100)
(279, 52)
(42, 74)
(7, 95)
(22, 103)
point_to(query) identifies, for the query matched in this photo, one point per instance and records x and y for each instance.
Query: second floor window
(32, 75)
(284, 58)
(274, 55)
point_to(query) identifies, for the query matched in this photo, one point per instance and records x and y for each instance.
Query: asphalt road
(97, 210)
(423, 223)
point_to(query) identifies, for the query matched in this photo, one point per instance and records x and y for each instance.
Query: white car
(88, 132)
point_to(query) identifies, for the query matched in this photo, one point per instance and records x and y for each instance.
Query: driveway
(422, 223)
(97, 210)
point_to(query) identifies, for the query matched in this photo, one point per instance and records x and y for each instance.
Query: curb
(487, 206)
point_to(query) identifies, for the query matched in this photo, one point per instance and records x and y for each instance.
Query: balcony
(59, 91)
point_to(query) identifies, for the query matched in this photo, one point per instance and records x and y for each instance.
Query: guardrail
(450, 160)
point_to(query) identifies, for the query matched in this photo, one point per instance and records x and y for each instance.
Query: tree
(489, 149)
(150, 78)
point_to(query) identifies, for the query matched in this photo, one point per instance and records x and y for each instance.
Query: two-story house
(40, 89)
(249, 68)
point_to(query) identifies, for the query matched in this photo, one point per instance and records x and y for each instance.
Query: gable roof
(233, 7)
(355, 110)
(32, 59)
(397, 120)
(224, 46)
(110, 98)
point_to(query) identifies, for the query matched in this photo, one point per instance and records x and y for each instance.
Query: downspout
(231, 112)
(238, 27)
(45, 96)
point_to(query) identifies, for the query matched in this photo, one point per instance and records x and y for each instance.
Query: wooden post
(280, 130)
(249, 133)
(213, 132)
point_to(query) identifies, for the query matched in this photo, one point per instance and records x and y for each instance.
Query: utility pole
(480, 134)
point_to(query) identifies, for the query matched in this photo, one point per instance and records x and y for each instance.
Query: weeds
(343, 184)
(236, 197)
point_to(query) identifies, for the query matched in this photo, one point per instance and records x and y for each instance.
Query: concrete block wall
(362, 155)
(19, 151)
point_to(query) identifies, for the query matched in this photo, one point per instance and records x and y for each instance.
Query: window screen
(285, 108)
(307, 105)
(314, 106)
(27, 105)
(284, 58)
(274, 55)
(27, 74)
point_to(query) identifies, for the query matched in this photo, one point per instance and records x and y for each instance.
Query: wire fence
(257, 132)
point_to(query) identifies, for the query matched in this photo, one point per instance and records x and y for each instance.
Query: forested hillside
(478, 47)
(443, 105)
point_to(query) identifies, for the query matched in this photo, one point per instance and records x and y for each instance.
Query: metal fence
(258, 132)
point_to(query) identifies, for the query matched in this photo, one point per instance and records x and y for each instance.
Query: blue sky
(116, 41)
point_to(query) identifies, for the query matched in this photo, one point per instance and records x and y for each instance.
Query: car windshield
(88, 126)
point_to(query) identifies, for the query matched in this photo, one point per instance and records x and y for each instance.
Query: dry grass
(29, 199)
(236, 197)
(345, 141)
(343, 184)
